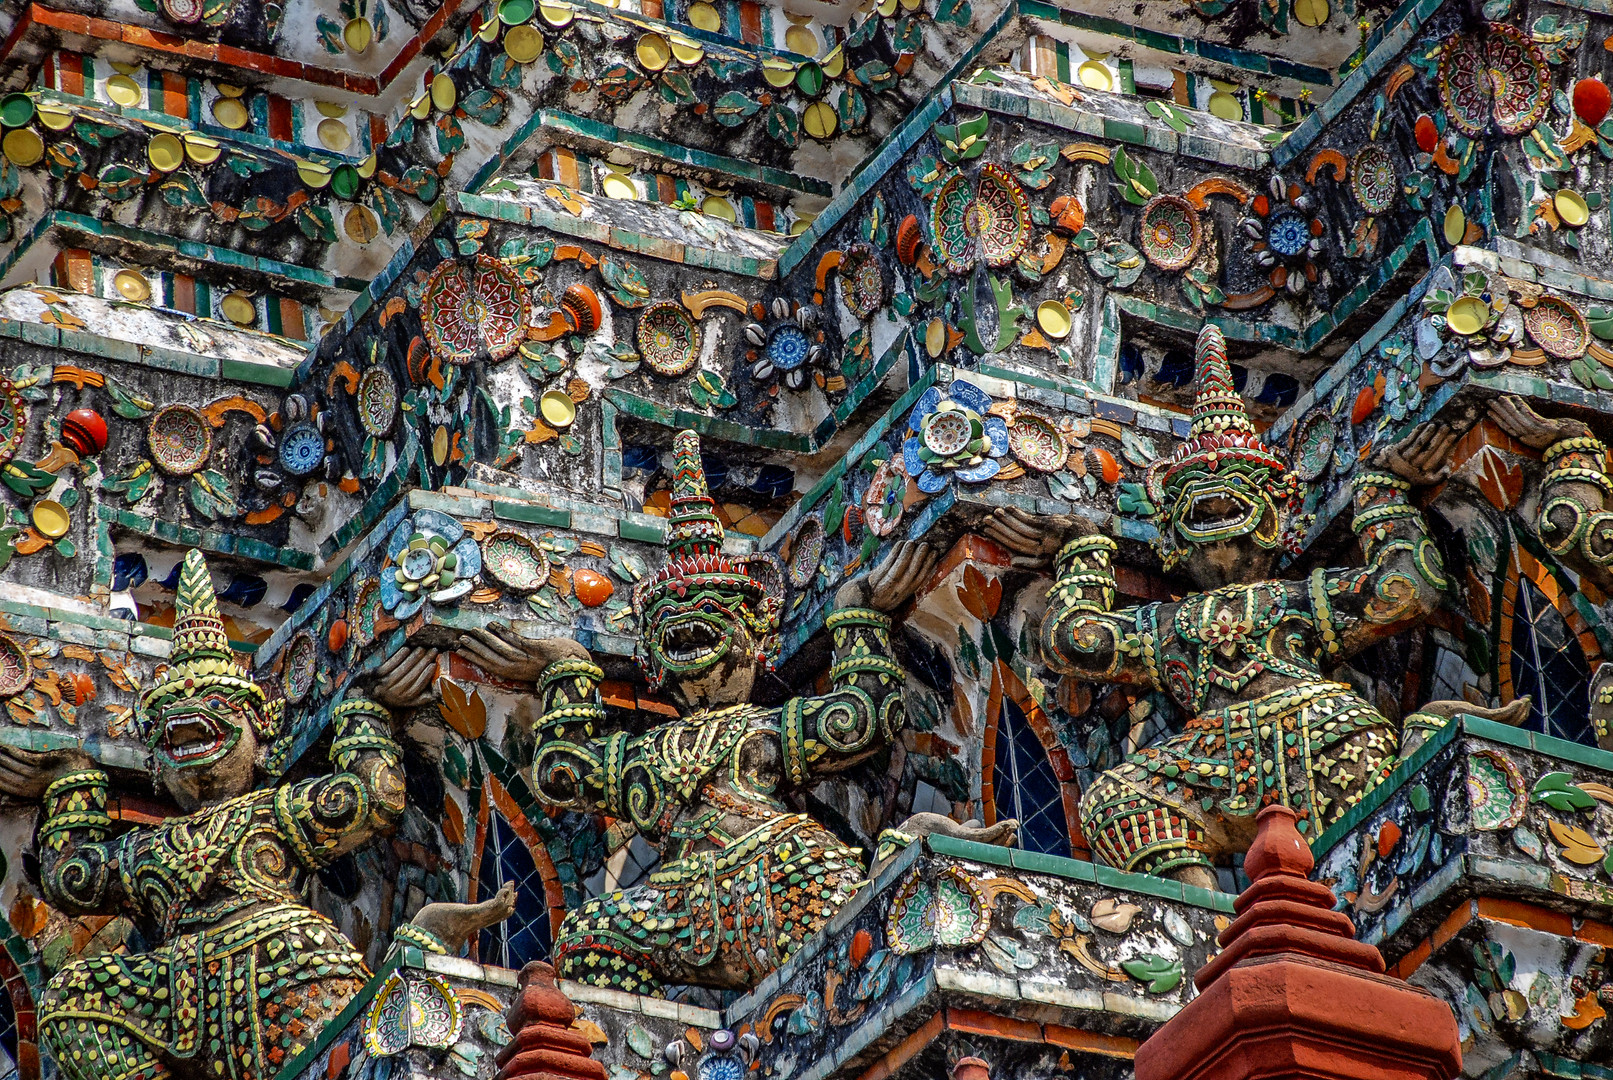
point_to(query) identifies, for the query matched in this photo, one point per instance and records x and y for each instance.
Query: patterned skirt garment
(1315, 748)
(743, 911)
(277, 975)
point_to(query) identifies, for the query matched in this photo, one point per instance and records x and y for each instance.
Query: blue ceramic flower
(429, 557)
(951, 435)
(302, 448)
(787, 347)
(1288, 234)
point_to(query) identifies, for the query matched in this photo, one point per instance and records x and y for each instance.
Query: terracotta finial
(545, 1045)
(1278, 847)
(1292, 993)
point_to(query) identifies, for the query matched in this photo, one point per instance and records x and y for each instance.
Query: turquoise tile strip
(1253, 62)
(548, 122)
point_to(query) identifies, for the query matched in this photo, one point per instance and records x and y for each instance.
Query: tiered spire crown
(202, 658)
(1222, 432)
(693, 528)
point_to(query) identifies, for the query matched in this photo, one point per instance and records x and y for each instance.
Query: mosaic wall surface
(395, 312)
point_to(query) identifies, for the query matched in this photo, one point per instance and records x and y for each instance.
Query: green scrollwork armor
(1243, 661)
(242, 974)
(744, 881)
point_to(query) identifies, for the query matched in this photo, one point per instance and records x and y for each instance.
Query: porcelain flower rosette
(429, 557)
(951, 435)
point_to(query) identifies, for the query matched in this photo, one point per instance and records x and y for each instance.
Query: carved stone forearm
(79, 869)
(567, 764)
(863, 712)
(1404, 577)
(328, 816)
(1574, 523)
(1082, 635)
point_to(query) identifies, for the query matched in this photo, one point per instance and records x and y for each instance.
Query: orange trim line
(266, 63)
(979, 1022)
(1512, 912)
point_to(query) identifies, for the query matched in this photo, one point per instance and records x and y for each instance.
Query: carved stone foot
(454, 924)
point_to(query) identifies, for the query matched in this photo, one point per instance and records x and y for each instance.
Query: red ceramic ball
(1427, 133)
(592, 587)
(84, 432)
(1591, 100)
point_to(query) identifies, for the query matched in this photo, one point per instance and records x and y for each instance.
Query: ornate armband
(362, 725)
(572, 668)
(568, 689)
(1086, 582)
(1380, 497)
(849, 624)
(1322, 612)
(75, 802)
(1579, 444)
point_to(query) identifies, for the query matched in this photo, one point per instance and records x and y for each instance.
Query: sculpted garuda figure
(1244, 659)
(744, 880)
(242, 975)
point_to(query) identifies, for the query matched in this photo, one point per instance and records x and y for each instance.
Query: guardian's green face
(687, 636)
(198, 731)
(1216, 507)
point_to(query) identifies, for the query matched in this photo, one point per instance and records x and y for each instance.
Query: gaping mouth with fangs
(689, 642)
(1216, 511)
(193, 738)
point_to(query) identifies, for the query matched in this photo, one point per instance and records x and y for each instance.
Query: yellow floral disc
(333, 135)
(800, 39)
(523, 43)
(123, 91)
(820, 120)
(653, 52)
(166, 153)
(239, 309)
(703, 16)
(54, 117)
(778, 73)
(1571, 207)
(357, 34)
(51, 519)
(1226, 105)
(1311, 12)
(200, 149)
(1054, 319)
(132, 286)
(444, 94)
(718, 207)
(230, 113)
(23, 147)
(556, 13)
(1096, 75)
(1455, 225)
(685, 50)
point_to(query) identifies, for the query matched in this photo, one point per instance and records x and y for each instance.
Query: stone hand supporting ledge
(1293, 994)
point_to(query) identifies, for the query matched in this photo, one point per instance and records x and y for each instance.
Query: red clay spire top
(1278, 847)
(1282, 910)
(1293, 995)
(545, 1045)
